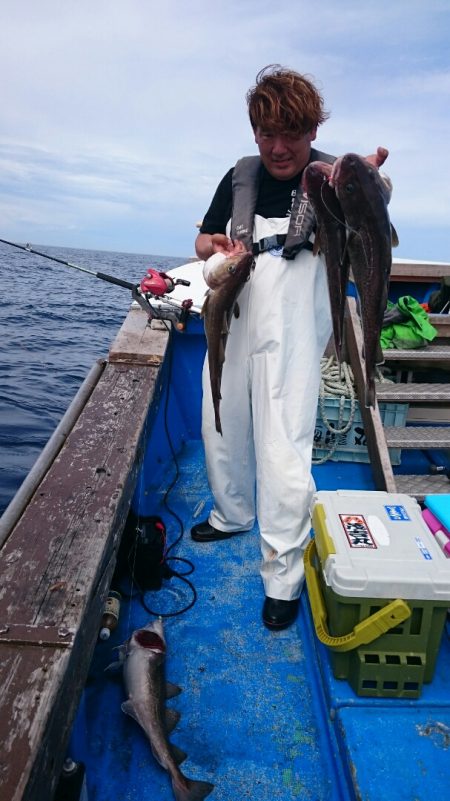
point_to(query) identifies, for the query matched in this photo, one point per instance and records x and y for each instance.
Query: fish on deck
(143, 660)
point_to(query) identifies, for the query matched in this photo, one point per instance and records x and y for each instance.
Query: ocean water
(55, 321)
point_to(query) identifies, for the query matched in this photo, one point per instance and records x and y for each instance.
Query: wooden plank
(427, 437)
(438, 413)
(435, 355)
(28, 487)
(373, 427)
(412, 392)
(429, 353)
(419, 486)
(421, 271)
(442, 324)
(56, 568)
(140, 341)
(41, 688)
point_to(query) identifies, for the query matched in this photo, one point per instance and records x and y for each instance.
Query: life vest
(245, 183)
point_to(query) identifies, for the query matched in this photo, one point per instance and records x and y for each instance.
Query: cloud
(127, 115)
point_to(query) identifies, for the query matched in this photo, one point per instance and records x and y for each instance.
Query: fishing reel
(155, 285)
(158, 284)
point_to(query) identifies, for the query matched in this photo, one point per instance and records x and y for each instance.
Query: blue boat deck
(261, 715)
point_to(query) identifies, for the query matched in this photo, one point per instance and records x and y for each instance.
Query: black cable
(167, 571)
(182, 577)
(172, 450)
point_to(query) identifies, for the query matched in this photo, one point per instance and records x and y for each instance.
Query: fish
(330, 239)
(364, 196)
(225, 283)
(143, 661)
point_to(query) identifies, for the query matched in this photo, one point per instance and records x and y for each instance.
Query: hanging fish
(225, 282)
(330, 239)
(364, 196)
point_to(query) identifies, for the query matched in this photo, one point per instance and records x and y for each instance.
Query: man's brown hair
(283, 101)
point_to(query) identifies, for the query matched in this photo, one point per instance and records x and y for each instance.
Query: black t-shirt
(275, 199)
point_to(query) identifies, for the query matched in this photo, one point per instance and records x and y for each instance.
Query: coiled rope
(337, 382)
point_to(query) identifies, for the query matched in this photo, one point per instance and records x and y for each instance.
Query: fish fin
(188, 790)
(128, 708)
(370, 394)
(227, 317)
(236, 310)
(394, 235)
(379, 359)
(113, 668)
(221, 354)
(345, 255)
(218, 425)
(204, 305)
(178, 754)
(316, 243)
(171, 719)
(172, 690)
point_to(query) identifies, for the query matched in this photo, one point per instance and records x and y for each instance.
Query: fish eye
(231, 269)
(349, 188)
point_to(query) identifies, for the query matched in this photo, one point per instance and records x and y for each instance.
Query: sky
(120, 117)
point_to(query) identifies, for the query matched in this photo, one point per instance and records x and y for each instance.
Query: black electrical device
(142, 551)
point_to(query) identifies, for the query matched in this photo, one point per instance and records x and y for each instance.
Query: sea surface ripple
(55, 321)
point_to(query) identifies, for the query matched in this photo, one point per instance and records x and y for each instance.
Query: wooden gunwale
(58, 562)
(373, 426)
(420, 271)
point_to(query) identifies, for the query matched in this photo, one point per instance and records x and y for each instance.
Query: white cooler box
(379, 587)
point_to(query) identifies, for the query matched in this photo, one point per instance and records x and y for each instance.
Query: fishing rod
(103, 276)
(155, 284)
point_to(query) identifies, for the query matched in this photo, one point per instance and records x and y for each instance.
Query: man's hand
(208, 244)
(223, 244)
(376, 159)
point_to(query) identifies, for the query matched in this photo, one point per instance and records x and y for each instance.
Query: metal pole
(47, 456)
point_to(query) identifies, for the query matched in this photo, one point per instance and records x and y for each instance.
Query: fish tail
(189, 790)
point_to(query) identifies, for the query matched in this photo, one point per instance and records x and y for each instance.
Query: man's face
(284, 155)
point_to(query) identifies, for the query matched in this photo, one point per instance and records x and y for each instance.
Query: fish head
(315, 175)
(352, 174)
(149, 638)
(358, 186)
(232, 269)
(324, 201)
(350, 166)
(240, 264)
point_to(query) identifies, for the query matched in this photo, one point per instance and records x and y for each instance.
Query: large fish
(364, 196)
(143, 658)
(330, 238)
(225, 282)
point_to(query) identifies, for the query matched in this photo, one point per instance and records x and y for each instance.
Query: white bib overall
(270, 386)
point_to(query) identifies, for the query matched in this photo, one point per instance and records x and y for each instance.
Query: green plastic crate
(381, 640)
(352, 445)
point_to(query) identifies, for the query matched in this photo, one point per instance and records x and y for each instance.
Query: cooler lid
(377, 545)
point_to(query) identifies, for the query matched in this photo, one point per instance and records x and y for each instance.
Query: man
(270, 382)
